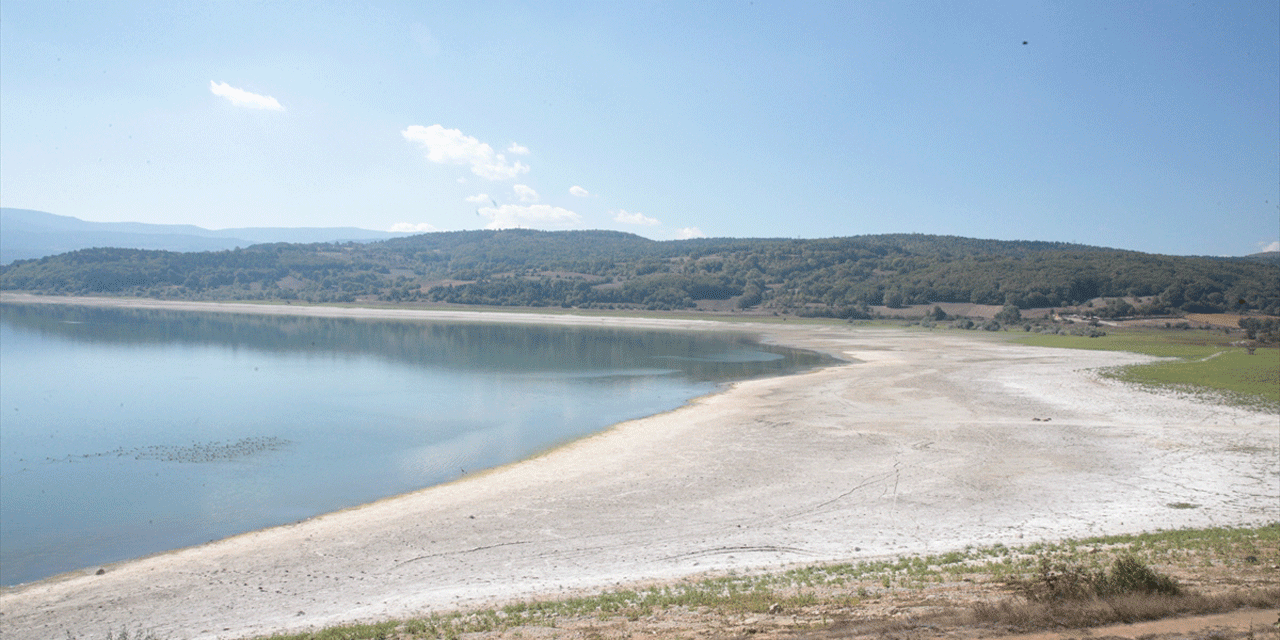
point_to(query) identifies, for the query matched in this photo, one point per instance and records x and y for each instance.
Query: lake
(127, 432)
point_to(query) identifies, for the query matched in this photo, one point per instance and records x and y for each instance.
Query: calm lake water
(129, 432)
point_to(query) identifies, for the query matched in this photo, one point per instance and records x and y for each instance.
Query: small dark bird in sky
(1024, 42)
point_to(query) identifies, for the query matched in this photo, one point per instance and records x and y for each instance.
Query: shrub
(1009, 315)
(1128, 576)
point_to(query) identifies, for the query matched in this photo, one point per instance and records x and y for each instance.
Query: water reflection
(451, 345)
(128, 432)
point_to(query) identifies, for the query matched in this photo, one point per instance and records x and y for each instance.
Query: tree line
(602, 269)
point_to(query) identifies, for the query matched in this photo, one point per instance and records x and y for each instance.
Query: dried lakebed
(927, 444)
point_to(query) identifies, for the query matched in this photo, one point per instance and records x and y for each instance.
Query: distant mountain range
(27, 234)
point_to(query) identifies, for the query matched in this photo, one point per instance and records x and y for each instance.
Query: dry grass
(1070, 596)
(1062, 596)
(975, 593)
(1027, 615)
(1224, 320)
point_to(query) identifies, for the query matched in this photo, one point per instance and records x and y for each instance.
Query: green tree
(1009, 315)
(752, 295)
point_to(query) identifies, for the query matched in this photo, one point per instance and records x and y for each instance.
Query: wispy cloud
(510, 216)
(479, 198)
(689, 232)
(451, 146)
(525, 193)
(518, 149)
(242, 98)
(579, 191)
(411, 227)
(622, 216)
(1274, 246)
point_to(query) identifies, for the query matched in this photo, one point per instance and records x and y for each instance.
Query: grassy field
(1216, 569)
(1201, 361)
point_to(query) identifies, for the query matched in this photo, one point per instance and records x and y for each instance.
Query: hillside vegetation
(841, 277)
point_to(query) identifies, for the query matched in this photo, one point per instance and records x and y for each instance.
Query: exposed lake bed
(927, 444)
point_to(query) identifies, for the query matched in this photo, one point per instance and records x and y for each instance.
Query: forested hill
(604, 269)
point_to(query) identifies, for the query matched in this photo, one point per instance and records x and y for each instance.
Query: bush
(1087, 332)
(1009, 315)
(1261, 329)
(1127, 576)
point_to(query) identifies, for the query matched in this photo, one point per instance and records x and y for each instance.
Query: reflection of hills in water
(742, 355)
(472, 346)
(603, 374)
(212, 424)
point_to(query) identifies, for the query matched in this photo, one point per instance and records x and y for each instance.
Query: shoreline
(927, 445)
(364, 314)
(376, 313)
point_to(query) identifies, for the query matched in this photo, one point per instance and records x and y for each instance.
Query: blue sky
(1152, 126)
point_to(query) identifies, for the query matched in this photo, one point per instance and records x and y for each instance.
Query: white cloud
(451, 146)
(479, 198)
(689, 232)
(579, 191)
(410, 227)
(1274, 246)
(534, 215)
(525, 193)
(633, 218)
(518, 149)
(242, 98)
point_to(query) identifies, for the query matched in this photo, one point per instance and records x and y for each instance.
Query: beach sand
(923, 442)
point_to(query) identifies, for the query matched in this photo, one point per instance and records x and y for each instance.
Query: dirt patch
(1225, 320)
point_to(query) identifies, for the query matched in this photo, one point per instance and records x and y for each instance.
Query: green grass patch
(1234, 372)
(1164, 344)
(1205, 362)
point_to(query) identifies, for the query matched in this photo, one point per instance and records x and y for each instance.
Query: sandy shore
(925, 442)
